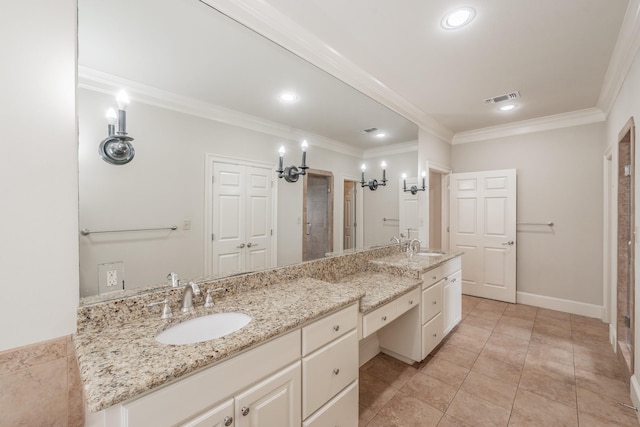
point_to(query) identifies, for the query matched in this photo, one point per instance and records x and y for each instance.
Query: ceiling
(555, 53)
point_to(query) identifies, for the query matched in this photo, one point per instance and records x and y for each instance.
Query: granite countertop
(119, 362)
(399, 264)
(380, 288)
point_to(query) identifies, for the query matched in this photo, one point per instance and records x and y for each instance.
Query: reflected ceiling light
(288, 97)
(380, 135)
(507, 107)
(458, 18)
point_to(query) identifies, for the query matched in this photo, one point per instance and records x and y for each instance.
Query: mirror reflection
(202, 196)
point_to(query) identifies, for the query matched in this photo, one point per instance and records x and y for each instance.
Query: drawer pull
(435, 335)
(453, 280)
(336, 328)
(411, 302)
(244, 411)
(384, 318)
(434, 277)
(227, 421)
(435, 302)
(336, 371)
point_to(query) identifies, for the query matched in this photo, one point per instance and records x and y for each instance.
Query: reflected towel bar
(86, 231)
(548, 224)
(390, 219)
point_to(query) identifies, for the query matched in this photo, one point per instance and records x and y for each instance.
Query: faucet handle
(208, 302)
(166, 310)
(195, 287)
(175, 281)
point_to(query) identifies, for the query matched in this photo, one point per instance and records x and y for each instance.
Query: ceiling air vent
(508, 97)
(370, 130)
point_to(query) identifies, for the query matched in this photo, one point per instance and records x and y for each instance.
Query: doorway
(349, 230)
(318, 214)
(625, 246)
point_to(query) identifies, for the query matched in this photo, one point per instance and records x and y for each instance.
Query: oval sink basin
(203, 328)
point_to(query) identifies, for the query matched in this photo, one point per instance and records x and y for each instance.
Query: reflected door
(409, 212)
(241, 219)
(318, 215)
(349, 221)
(483, 225)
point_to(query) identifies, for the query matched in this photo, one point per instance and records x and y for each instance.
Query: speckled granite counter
(118, 362)
(380, 288)
(399, 264)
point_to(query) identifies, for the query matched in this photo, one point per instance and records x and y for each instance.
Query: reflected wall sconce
(116, 148)
(292, 173)
(373, 183)
(414, 189)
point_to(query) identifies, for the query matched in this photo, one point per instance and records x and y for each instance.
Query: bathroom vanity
(294, 364)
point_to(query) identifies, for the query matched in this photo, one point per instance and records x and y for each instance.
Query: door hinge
(627, 170)
(272, 231)
(213, 236)
(627, 321)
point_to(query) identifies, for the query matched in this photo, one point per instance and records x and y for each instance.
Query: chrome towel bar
(390, 219)
(86, 231)
(548, 224)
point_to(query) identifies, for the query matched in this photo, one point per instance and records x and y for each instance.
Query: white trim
(557, 121)
(622, 57)
(390, 150)
(634, 393)
(98, 81)
(210, 159)
(369, 348)
(266, 20)
(607, 168)
(359, 242)
(613, 337)
(438, 167)
(559, 304)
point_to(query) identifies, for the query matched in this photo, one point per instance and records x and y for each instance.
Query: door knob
(251, 244)
(509, 243)
(241, 246)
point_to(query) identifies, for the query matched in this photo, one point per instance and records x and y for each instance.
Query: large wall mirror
(207, 125)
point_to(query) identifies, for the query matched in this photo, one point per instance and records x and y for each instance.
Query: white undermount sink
(203, 328)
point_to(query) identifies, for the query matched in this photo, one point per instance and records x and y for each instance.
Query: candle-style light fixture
(116, 148)
(292, 173)
(373, 183)
(414, 188)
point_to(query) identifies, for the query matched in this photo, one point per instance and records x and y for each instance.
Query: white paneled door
(483, 225)
(241, 218)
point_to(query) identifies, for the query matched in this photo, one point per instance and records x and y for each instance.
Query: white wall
(627, 105)
(560, 180)
(38, 172)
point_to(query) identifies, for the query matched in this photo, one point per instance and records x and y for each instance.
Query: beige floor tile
(551, 352)
(514, 330)
(456, 355)
(557, 371)
(530, 409)
(490, 389)
(553, 314)
(477, 412)
(389, 370)
(601, 347)
(489, 314)
(480, 322)
(449, 421)
(374, 393)
(588, 337)
(598, 363)
(545, 386)
(548, 326)
(468, 342)
(604, 408)
(600, 384)
(587, 420)
(473, 331)
(445, 371)
(497, 369)
(430, 390)
(404, 410)
(521, 310)
(506, 348)
(493, 305)
(365, 416)
(564, 343)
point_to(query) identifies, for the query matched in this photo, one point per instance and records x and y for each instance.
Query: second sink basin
(203, 328)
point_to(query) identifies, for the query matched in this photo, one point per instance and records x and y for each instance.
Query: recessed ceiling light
(381, 135)
(507, 107)
(458, 18)
(288, 97)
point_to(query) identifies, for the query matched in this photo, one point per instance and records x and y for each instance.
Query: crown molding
(266, 20)
(622, 58)
(390, 150)
(574, 118)
(101, 82)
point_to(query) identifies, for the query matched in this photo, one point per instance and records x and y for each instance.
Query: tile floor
(503, 365)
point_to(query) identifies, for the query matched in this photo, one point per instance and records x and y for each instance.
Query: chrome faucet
(187, 296)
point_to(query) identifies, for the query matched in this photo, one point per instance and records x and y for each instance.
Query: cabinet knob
(227, 421)
(435, 335)
(435, 302)
(434, 277)
(336, 328)
(336, 371)
(244, 411)
(411, 302)
(453, 280)
(384, 318)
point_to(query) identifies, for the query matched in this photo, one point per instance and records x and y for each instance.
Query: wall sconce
(117, 148)
(414, 189)
(292, 173)
(373, 183)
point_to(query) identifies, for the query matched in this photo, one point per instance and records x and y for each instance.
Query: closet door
(258, 218)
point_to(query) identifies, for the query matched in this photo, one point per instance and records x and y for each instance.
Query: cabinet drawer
(407, 301)
(431, 335)
(216, 417)
(431, 302)
(329, 328)
(342, 410)
(327, 371)
(436, 274)
(378, 318)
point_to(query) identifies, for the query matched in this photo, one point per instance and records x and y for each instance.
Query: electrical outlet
(186, 224)
(112, 278)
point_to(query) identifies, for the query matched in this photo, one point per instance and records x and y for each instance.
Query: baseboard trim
(613, 337)
(635, 394)
(559, 304)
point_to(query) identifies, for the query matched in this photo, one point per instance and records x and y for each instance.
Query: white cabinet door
(274, 402)
(220, 416)
(452, 306)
